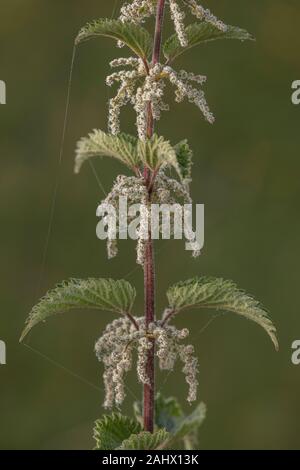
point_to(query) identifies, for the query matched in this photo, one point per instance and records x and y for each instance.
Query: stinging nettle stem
(149, 267)
(158, 31)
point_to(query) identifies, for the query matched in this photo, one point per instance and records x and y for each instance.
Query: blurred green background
(246, 173)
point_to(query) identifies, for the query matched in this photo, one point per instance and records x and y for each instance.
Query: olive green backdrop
(246, 173)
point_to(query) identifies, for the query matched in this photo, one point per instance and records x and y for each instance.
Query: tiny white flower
(116, 353)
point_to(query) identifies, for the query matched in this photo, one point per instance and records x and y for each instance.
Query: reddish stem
(149, 267)
(158, 30)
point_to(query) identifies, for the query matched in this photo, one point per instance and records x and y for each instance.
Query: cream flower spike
(121, 339)
(139, 10)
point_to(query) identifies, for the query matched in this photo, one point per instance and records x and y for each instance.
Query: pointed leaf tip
(219, 294)
(134, 36)
(199, 33)
(92, 293)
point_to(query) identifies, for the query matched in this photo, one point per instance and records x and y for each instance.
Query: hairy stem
(149, 267)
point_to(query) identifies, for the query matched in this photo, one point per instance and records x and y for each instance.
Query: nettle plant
(161, 174)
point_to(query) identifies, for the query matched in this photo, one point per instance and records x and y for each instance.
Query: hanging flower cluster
(146, 83)
(127, 89)
(139, 10)
(135, 191)
(166, 190)
(178, 17)
(122, 337)
(152, 90)
(205, 15)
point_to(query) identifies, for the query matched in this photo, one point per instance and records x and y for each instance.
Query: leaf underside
(134, 36)
(153, 153)
(122, 147)
(219, 294)
(157, 152)
(198, 33)
(104, 294)
(110, 431)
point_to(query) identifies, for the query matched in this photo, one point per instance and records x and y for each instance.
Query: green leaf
(123, 147)
(189, 424)
(169, 416)
(157, 152)
(219, 294)
(146, 441)
(184, 157)
(104, 294)
(111, 431)
(199, 33)
(153, 153)
(134, 36)
(168, 413)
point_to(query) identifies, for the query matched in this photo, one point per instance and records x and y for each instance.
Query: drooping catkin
(178, 16)
(205, 15)
(121, 338)
(139, 10)
(166, 190)
(141, 88)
